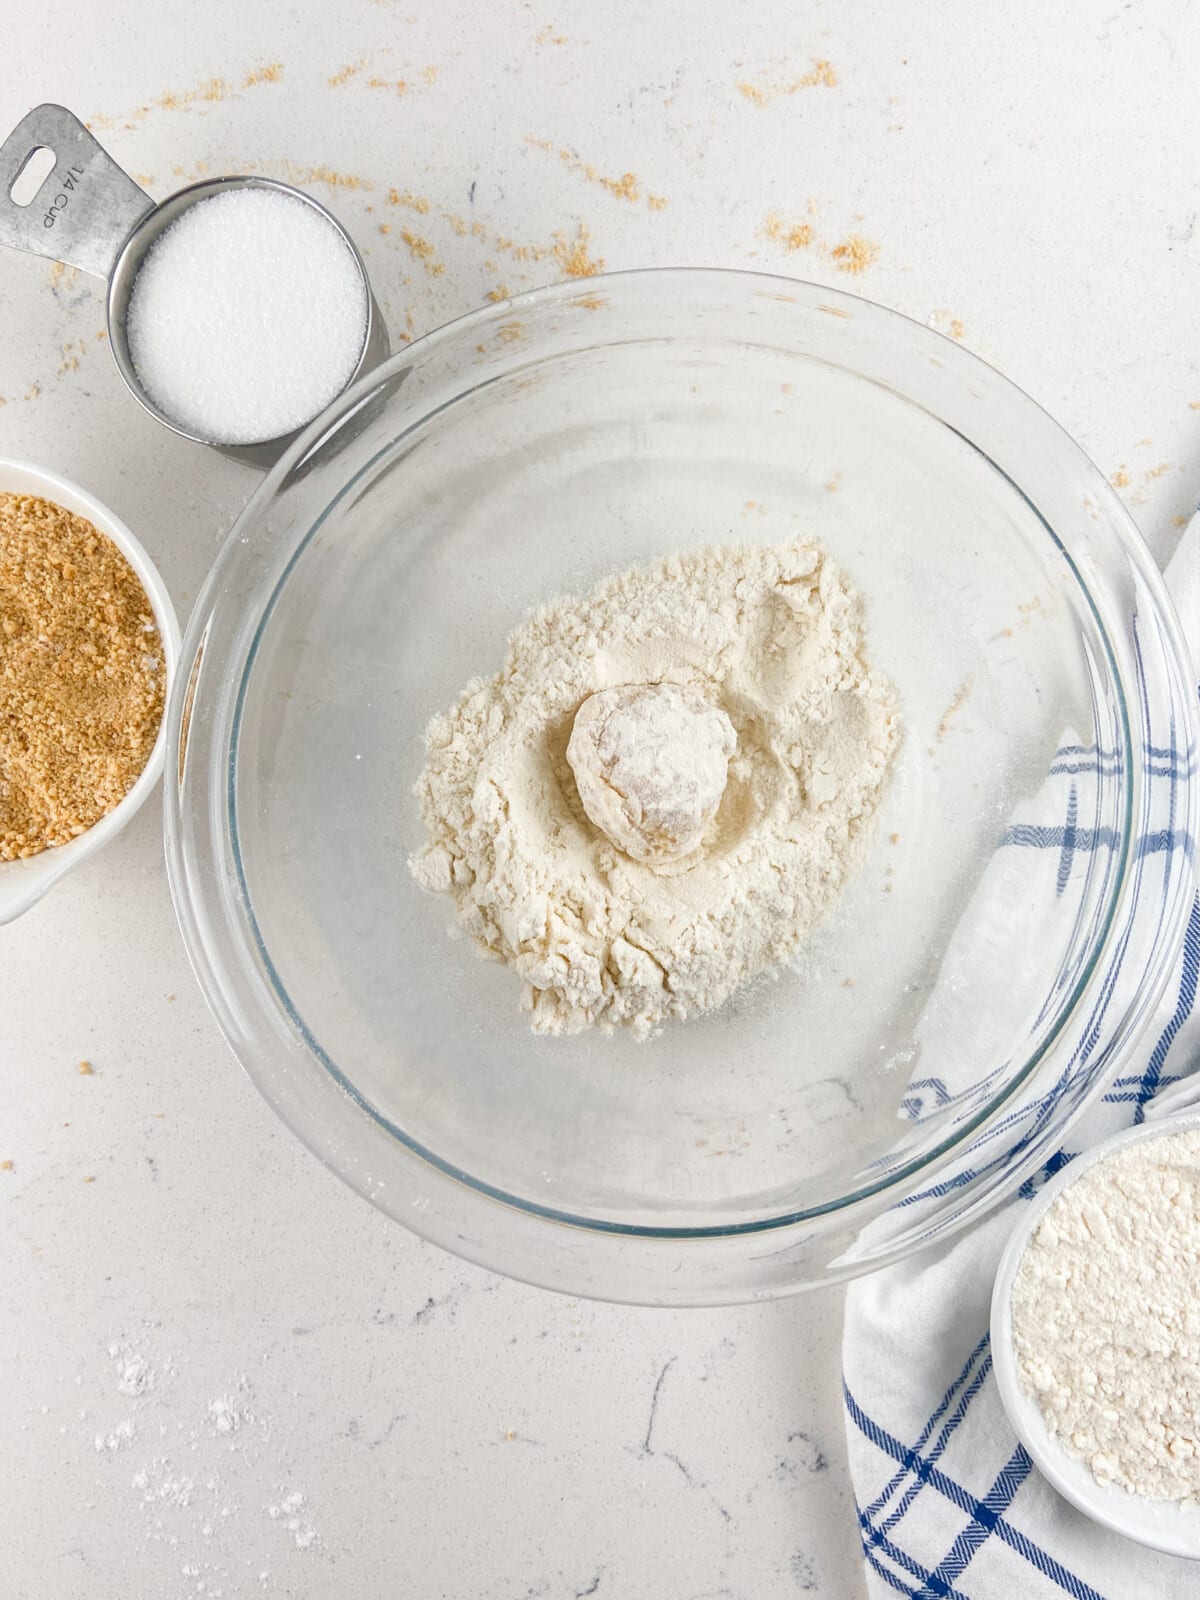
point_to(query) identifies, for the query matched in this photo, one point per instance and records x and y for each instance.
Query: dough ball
(651, 761)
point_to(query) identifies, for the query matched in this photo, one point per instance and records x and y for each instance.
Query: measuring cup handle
(87, 205)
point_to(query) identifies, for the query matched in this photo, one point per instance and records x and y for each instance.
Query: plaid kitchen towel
(948, 1502)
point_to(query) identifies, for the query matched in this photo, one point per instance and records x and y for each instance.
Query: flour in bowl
(1106, 1318)
(665, 787)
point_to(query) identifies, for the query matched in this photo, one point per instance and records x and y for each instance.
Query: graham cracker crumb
(268, 74)
(415, 202)
(345, 74)
(1120, 478)
(762, 94)
(573, 258)
(423, 251)
(855, 254)
(81, 676)
(955, 706)
(86, 1069)
(1179, 522)
(500, 292)
(791, 235)
(6, 1166)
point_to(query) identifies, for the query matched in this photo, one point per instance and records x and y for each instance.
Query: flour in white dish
(1106, 1318)
(792, 734)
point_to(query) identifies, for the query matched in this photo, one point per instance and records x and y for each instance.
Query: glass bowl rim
(773, 286)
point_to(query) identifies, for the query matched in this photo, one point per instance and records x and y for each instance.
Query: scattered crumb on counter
(791, 235)
(268, 74)
(627, 187)
(1157, 472)
(414, 202)
(1180, 522)
(855, 254)
(90, 1179)
(943, 321)
(6, 1166)
(423, 251)
(86, 1069)
(548, 36)
(1120, 478)
(344, 74)
(573, 258)
(591, 302)
(822, 75)
(955, 706)
(500, 292)
(893, 838)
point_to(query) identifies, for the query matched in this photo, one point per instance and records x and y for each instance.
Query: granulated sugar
(247, 317)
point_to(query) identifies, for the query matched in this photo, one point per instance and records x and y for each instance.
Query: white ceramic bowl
(1160, 1525)
(23, 883)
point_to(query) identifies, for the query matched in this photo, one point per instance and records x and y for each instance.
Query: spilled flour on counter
(665, 787)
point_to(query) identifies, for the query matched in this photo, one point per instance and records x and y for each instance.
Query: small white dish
(23, 883)
(1160, 1525)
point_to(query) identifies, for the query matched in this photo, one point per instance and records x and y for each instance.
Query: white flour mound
(1106, 1318)
(772, 637)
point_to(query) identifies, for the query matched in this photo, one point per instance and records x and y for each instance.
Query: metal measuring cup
(89, 213)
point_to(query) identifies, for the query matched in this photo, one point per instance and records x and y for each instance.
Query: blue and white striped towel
(949, 1503)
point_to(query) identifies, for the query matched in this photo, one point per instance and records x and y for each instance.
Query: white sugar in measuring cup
(89, 213)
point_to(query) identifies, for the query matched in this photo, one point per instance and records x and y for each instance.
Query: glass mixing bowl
(982, 976)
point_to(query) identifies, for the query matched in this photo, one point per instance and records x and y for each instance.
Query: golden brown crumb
(1120, 478)
(791, 235)
(344, 74)
(500, 292)
(414, 202)
(955, 706)
(6, 1166)
(86, 1069)
(762, 94)
(90, 1180)
(1179, 522)
(268, 74)
(1157, 472)
(894, 838)
(81, 676)
(423, 251)
(855, 254)
(591, 302)
(573, 258)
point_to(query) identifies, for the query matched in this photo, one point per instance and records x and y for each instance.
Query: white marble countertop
(223, 1374)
